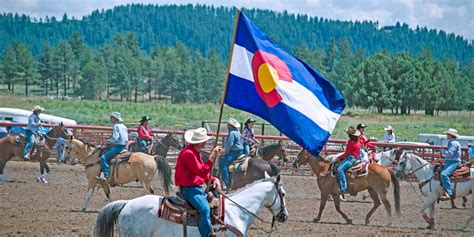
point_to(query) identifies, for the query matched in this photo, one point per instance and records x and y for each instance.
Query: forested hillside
(205, 28)
(183, 60)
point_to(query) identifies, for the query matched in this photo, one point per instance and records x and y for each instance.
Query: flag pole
(229, 62)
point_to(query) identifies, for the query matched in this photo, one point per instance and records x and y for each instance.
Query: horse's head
(60, 131)
(387, 158)
(277, 203)
(172, 141)
(78, 151)
(301, 159)
(281, 152)
(404, 164)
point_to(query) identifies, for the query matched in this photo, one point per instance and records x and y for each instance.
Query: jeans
(197, 197)
(142, 145)
(347, 163)
(30, 139)
(60, 154)
(448, 168)
(104, 158)
(247, 149)
(224, 163)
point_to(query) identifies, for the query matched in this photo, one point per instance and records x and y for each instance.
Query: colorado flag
(269, 82)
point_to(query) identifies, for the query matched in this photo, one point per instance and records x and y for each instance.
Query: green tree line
(398, 82)
(208, 28)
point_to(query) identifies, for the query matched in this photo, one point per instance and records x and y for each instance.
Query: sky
(452, 16)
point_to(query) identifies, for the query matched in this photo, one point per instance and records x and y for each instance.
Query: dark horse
(255, 171)
(160, 147)
(8, 150)
(269, 151)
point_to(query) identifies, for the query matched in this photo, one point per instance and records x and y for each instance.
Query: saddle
(359, 169)
(20, 140)
(462, 173)
(177, 210)
(114, 162)
(240, 164)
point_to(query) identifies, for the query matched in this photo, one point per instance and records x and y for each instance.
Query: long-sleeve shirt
(248, 136)
(144, 133)
(366, 142)
(390, 138)
(453, 152)
(352, 148)
(119, 135)
(234, 141)
(190, 169)
(33, 123)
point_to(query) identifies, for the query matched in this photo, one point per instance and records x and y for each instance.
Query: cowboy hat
(352, 131)
(388, 128)
(38, 108)
(250, 121)
(452, 132)
(196, 136)
(117, 115)
(145, 118)
(361, 125)
(234, 123)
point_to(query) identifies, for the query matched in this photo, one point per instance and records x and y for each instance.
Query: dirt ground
(28, 208)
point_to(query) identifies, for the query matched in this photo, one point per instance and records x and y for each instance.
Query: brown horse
(9, 149)
(269, 151)
(255, 171)
(377, 182)
(140, 166)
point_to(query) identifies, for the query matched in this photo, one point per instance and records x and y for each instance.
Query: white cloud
(449, 15)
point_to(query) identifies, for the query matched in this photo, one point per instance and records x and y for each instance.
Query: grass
(184, 116)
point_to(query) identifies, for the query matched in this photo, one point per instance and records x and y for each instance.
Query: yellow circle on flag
(268, 76)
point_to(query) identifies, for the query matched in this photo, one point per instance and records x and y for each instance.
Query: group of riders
(192, 172)
(358, 145)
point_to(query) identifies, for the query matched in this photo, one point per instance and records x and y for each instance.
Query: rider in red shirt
(144, 133)
(192, 172)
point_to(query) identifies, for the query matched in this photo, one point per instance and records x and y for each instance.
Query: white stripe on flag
(294, 94)
(241, 63)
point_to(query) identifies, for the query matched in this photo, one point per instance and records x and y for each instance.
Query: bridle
(404, 164)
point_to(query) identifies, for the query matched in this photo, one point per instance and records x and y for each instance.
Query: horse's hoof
(464, 205)
(349, 221)
(367, 222)
(430, 226)
(315, 220)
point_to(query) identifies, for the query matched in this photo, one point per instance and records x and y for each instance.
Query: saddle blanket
(240, 165)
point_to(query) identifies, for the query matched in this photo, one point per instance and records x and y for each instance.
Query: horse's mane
(249, 185)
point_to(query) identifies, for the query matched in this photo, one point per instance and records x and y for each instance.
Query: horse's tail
(107, 218)
(396, 190)
(275, 170)
(165, 171)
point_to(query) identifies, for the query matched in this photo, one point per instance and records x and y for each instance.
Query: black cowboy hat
(250, 121)
(361, 125)
(145, 118)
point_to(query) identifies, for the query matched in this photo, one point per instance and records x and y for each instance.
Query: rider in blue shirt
(32, 129)
(452, 157)
(119, 139)
(233, 149)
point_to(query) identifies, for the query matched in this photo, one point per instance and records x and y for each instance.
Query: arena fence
(98, 135)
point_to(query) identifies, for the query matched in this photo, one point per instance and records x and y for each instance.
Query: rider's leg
(142, 145)
(224, 163)
(448, 168)
(341, 170)
(104, 159)
(197, 197)
(30, 138)
(247, 149)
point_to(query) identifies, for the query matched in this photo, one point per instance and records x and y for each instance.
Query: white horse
(471, 217)
(432, 190)
(139, 216)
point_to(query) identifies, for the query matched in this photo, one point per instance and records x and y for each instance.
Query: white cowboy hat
(452, 132)
(196, 136)
(233, 122)
(117, 115)
(388, 128)
(38, 108)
